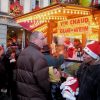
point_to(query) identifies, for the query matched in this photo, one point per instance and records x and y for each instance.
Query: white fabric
(12, 60)
(68, 88)
(69, 81)
(68, 95)
(67, 91)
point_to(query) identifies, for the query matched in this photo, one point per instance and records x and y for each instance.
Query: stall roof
(57, 12)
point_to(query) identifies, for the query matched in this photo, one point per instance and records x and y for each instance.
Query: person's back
(31, 74)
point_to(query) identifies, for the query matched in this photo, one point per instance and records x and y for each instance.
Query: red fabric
(74, 86)
(70, 52)
(94, 47)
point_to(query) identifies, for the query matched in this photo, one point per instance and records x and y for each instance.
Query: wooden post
(99, 33)
(50, 31)
(84, 39)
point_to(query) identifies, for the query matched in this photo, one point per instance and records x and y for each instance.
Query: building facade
(28, 5)
(8, 27)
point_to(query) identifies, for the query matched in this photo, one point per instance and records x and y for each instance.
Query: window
(22, 2)
(33, 4)
(37, 2)
(11, 1)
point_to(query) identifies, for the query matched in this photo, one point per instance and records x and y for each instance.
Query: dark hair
(46, 49)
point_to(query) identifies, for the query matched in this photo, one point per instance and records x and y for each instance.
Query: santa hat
(93, 49)
(68, 44)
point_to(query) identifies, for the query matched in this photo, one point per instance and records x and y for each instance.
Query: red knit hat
(93, 49)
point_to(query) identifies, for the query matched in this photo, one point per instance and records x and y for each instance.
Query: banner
(76, 25)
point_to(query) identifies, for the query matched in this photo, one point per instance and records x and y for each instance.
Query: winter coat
(31, 75)
(3, 72)
(52, 61)
(89, 82)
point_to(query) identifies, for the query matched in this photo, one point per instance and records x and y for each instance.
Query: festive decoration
(16, 9)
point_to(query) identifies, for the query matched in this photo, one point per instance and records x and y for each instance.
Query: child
(55, 75)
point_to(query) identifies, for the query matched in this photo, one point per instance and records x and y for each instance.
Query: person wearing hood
(89, 73)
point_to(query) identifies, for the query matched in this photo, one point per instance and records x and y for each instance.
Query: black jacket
(89, 82)
(3, 72)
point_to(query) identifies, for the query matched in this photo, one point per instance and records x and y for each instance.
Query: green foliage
(85, 3)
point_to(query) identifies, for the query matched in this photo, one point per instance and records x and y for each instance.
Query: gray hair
(34, 35)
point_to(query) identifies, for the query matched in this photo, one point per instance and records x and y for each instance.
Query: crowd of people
(35, 73)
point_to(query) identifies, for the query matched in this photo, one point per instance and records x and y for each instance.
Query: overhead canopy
(39, 19)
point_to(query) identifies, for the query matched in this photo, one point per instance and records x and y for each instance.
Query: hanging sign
(76, 25)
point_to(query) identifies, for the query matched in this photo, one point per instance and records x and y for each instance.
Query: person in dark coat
(31, 74)
(3, 74)
(12, 58)
(54, 74)
(89, 73)
(12, 54)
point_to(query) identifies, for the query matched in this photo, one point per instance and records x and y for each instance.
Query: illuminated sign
(76, 25)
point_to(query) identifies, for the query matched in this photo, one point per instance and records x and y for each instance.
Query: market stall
(48, 19)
